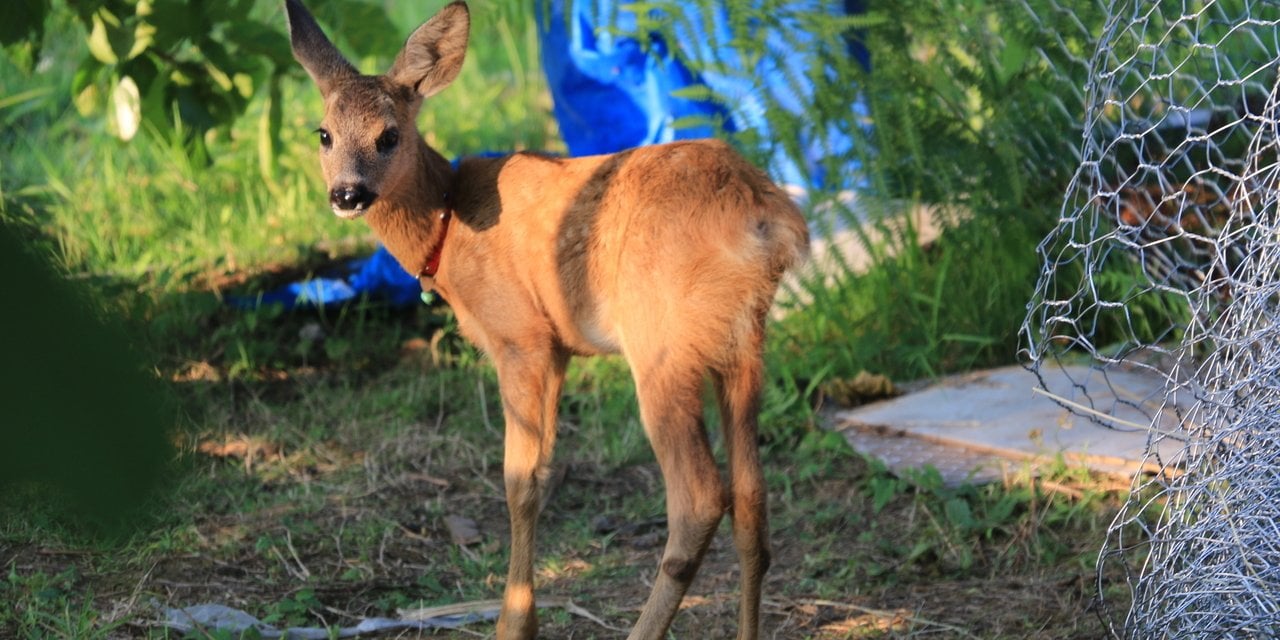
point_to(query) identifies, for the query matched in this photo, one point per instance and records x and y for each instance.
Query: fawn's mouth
(351, 201)
(350, 214)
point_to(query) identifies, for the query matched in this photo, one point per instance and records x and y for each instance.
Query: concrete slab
(988, 417)
(901, 452)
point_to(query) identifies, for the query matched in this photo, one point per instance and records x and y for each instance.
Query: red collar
(433, 258)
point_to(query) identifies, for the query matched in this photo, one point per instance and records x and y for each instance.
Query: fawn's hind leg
(738, 389)
(671, 409)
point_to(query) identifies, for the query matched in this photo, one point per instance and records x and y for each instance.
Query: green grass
(924, 310)
(313, 473)
(149, 211)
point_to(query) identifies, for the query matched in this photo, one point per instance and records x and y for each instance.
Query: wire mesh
(1166, 259)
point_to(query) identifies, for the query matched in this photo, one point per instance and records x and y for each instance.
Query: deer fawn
(670, 255)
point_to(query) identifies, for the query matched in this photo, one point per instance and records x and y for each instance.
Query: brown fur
(669, 255)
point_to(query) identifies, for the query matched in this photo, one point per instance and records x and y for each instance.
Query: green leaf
(10, 101)
(265, 41)
(693, 122)
(174, 21)
(696, 92)
(219, 76)
(127, 108)
(919, 549)
(959, 513)
(88, 100)
(99, 40)
(143, 35)
(364, 25)
(1000, 512)
(269, 131)
(1013, 57)
(156, 102)
(883, 489)
(244, 84)
(179, 76)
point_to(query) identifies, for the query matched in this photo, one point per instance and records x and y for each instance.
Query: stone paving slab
(989, 419)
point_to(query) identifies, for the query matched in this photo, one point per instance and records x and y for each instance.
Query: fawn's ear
(433, 55)
(313, 50)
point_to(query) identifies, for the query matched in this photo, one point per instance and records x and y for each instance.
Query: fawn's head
(369, 138)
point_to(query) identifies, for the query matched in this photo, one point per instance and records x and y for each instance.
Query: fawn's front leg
(530, 377)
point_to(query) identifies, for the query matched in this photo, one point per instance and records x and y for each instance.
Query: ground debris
(490, 609)
(864, 388)
(462, 530)
(210, 618)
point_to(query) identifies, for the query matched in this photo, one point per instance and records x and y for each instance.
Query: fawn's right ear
(313, 50)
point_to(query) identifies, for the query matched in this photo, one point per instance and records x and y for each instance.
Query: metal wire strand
(1166, 257)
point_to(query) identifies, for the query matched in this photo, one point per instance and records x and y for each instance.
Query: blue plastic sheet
(608, 93)
(611, 94)
(379, 276)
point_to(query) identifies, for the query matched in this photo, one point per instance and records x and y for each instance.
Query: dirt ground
(601, 559)
(301, 502)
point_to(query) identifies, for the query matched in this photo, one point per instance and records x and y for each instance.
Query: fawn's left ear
(313, 50)
(432, 57)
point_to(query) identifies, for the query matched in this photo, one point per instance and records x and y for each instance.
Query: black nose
(351, 197)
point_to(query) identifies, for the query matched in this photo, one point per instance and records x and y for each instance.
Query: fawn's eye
(388, 140)
(325, 139)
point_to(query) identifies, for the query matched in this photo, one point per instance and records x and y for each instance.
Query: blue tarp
(610, 94)
(379, 275)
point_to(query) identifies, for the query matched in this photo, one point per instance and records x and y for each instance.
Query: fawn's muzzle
(348, 201)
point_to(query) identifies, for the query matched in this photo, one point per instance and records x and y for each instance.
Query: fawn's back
(672, 242)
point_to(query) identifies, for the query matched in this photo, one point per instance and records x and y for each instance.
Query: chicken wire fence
(1166, 261)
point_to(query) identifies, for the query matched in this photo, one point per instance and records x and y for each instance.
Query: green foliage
(295, 610)
(150, 216)
(966, 110)
(961, 525)
(958, 518)
(185, 70)
(960, 105)
(922, 311)
(960, 113)
(168, 63)
(38, 605)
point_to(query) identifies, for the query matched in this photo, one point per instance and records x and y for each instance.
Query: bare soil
(813, 589)
(349, 521)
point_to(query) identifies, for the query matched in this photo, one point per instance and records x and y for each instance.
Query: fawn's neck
(407, 219)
